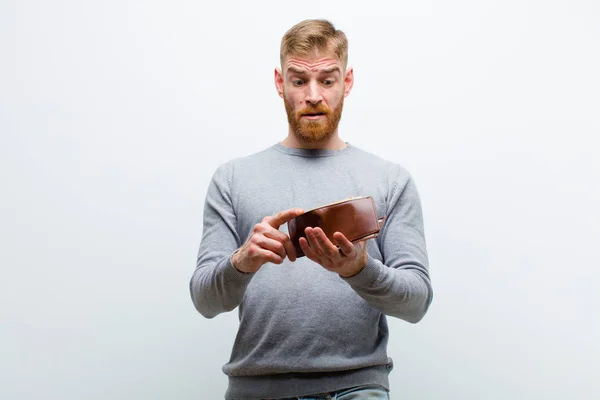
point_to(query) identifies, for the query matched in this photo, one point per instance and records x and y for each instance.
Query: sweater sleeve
(400, 285)
(216, 285)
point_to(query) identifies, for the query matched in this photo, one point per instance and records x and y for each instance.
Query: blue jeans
(369, 392)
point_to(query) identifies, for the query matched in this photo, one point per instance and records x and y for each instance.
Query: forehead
(314, 62)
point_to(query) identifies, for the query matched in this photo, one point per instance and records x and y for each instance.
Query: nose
(313, 93)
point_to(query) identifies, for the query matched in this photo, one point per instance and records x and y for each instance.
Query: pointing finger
(282, 217)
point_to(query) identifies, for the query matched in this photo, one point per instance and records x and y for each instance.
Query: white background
(115, 114)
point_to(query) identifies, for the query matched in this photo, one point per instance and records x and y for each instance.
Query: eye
(328, 82)
(297, 82)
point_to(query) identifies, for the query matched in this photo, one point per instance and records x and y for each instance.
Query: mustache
(318, 109)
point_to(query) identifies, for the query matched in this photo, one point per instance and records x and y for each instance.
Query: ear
(348, 81)
(279, 82)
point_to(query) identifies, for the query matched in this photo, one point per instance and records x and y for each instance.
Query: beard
(314, 131)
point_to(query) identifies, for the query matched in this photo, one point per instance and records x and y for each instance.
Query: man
(316, 325)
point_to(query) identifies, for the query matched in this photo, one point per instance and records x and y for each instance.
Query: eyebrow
(296, 70)
(331, 70)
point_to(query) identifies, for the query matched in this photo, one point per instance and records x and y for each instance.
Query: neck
(334, 142)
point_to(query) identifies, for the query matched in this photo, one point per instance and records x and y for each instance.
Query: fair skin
(317, 80)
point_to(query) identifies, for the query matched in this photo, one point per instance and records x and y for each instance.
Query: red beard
(314, 131)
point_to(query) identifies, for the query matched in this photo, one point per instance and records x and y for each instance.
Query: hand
(267, 243)
(347, 261)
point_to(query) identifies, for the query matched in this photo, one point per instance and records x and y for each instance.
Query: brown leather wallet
(356, 218)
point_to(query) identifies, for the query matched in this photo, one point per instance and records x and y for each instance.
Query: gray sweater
(304, 329)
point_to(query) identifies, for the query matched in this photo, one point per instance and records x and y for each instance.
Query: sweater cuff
(368, 276)
(232, 275)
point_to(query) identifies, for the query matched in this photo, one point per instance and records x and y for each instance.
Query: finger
(308, 251)
(268, 256)
(272, 245)
(282, 217)
(290, 249)
(328, 248)
(315, 246)
(283, 239)
(311, 239)
(346, 246)
(315, 252)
